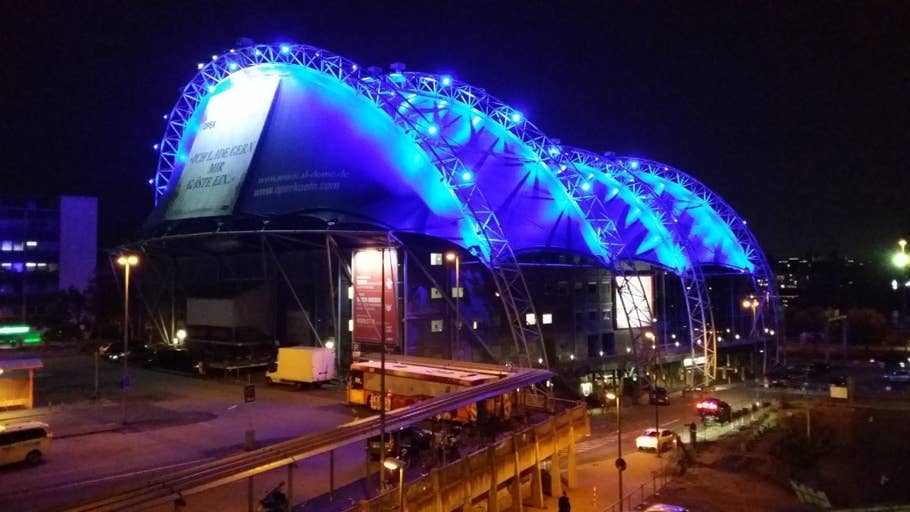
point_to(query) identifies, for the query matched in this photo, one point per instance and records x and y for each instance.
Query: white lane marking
(670, 422)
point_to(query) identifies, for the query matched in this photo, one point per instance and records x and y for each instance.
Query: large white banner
(634, 299)
(220, 156)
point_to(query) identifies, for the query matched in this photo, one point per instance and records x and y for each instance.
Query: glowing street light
(620, 463)
(457, 293)
(901, 259)
(126, 261)
(392, 464)
(752, 303)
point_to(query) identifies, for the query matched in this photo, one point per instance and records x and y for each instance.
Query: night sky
(796, 113)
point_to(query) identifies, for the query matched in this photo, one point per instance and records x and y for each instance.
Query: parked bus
(19, 335)
(407, 383)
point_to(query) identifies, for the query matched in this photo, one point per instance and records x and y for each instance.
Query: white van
(28, 441)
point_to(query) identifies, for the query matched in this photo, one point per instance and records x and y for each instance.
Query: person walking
(564, 505)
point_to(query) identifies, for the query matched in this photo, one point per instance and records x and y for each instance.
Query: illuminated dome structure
(266, 131)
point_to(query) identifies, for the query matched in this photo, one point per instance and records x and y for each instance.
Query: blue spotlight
(432, 129)
(633, 164)
(258, 51)
(467, 176)
(199, 65)
(354, 67)
(446, 80)
(233, 66)
(155, 147)
(211, 88)
(151, 181)
(285, 49)
(516, 116)
(586, 186)
(475, 121)
(553, 151)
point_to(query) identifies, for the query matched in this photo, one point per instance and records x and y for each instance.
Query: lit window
(435, 258)
(350, 292)
(474, 324)
(436, 325)
(351, 325)
(6, 245)
(6, 264)
(31, 243)
(458, 292)
(546, 318)
(435, 293)
(530, 319)
(18, 246)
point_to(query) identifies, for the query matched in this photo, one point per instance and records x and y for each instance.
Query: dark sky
(795, 112)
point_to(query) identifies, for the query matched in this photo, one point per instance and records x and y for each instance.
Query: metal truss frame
(763, 280)
(501, 259)
(386, 95)
(389, 92)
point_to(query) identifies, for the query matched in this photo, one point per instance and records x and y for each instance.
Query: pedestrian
(564, 505)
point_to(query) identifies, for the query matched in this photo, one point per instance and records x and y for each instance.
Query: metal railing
(638, 496)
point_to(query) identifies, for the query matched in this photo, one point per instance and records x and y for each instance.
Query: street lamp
(751, 303)
(620, 463)
(392, 464)
(126, 261)
(901, 260)
(456, 292)
(650, 336)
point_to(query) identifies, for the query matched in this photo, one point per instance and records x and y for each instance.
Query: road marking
(670, 422)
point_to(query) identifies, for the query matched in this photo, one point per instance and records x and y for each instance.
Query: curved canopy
(290, 130)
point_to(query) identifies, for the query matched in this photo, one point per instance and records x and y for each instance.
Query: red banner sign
(376, 296)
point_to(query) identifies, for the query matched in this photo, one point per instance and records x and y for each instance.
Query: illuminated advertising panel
(374, 288)
(220, 153)
(634, 299)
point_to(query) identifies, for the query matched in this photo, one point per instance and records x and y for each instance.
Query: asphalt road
(175, 421)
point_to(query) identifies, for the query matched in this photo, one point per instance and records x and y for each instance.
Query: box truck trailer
(301, 366)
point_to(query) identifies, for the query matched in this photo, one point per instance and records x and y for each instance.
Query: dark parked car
(172, 359)
(659, 396)
(714, 410)
(406, 443)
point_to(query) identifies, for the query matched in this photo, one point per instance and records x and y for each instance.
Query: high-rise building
(46, 245)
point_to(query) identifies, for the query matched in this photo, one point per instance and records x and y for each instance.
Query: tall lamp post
(650, 337)
(392, 464)
(126, 261)
(901, 260)
(456, 292)
(751, 303)
(620, 463)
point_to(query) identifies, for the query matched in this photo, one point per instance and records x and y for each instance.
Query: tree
(866, 326)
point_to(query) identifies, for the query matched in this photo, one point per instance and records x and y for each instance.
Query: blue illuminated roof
(425, 153)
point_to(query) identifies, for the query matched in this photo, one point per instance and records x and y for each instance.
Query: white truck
(302, 366)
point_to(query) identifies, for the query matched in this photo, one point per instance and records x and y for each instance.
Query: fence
(638, 495)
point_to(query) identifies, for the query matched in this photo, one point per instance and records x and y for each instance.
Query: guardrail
(638, 496)
(238, 467)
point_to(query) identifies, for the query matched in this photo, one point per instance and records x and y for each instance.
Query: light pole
(456, 292)
(620, 463)
(126, 261)
(650, 336)
(901, 260)
(751, 303)
(391, 463)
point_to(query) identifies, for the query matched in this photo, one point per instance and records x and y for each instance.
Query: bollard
(250, 439)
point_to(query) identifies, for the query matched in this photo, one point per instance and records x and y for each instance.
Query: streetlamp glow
(126, 261)
(457, 293)
(901, 259)
(393, 464)
(620, 463)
